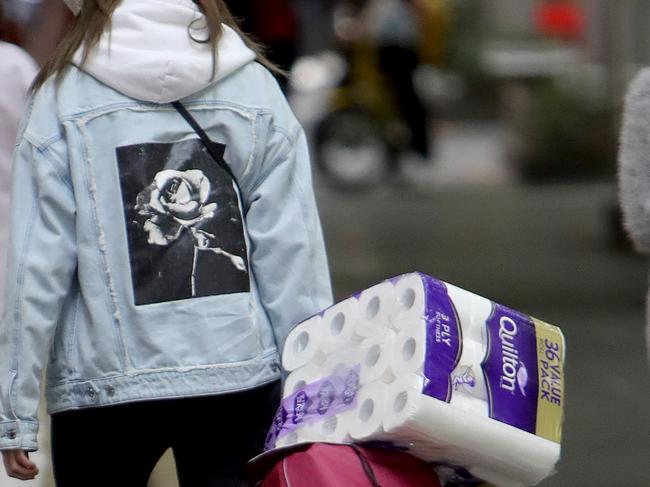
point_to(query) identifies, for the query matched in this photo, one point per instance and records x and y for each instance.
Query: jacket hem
(158, 385)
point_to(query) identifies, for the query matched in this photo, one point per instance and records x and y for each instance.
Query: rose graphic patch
(183, 221)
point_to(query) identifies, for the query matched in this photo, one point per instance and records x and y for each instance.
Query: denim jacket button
(110, 391)
(11, 435)
(90, 392)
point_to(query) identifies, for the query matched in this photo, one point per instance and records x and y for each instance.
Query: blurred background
(476, 141)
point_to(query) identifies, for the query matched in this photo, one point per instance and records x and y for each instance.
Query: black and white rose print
(184, 223)
(174, 201)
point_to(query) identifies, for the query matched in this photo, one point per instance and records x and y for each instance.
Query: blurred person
(274, 24)
(375, 124)
(634, 168)
(36, 26)
(158, 270)
(48, 24)
(394, 26)
(10, 30)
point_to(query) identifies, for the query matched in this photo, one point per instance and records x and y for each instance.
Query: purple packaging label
(280, 418)
(315, 402)
(510, 368)
(326, 397)
(278, 422)
(270, 440)
(351, 386)
(444, 340)
(300, 405)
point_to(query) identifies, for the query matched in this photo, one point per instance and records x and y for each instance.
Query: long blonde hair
(95, 18)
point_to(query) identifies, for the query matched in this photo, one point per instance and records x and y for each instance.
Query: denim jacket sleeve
(41, 264)
(287, 249)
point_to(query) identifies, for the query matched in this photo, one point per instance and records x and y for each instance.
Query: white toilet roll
(309, 433)
(468, 439)
(473, 311)
(402, 404)
(289, 439)
(367, 421)
(409, 349)
(339, 324)
(334, 429)
(376, 304)
(304, 434)
(340, 362)
(470, 405)
(410, 301)
(303, 344)
(376, 359)
(411, 304)
(300, 378)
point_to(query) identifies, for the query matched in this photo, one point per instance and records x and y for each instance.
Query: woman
(394, 26)
(136, 262)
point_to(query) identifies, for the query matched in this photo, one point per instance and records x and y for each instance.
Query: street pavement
(548, 251)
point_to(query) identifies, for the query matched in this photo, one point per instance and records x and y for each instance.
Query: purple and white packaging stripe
(442, 372)
(314, 403)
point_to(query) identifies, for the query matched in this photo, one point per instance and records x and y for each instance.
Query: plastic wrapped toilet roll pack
(421, 365)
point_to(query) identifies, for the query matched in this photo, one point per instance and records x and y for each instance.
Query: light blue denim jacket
(71, 288)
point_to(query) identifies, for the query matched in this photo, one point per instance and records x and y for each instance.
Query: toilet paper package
(418, 364)
(316, 409)
(417, 421)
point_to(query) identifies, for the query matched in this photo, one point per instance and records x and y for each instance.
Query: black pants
(212, 439)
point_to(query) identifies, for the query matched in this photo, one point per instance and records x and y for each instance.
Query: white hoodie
(148, 53)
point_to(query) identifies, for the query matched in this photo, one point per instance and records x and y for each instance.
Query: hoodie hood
(149, 54)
